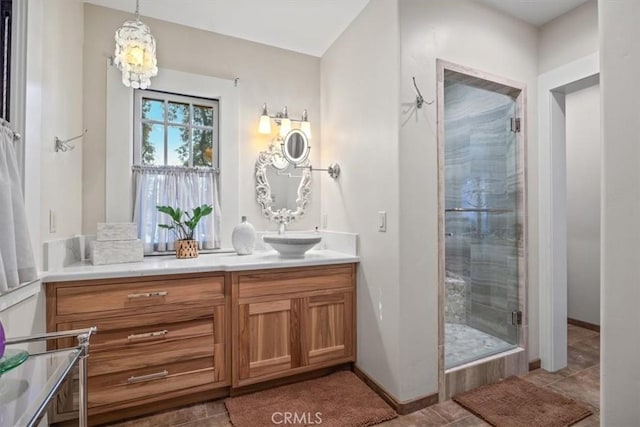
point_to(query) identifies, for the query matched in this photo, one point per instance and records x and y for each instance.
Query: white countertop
(169, 264)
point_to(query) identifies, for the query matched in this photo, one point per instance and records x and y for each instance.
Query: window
(175, 130)
(175, 164)
(5, 58)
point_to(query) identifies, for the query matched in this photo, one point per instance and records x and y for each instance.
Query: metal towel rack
(63, 144)
(479, 210)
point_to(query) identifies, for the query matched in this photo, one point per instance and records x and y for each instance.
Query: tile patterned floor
(464, 344)
(580, 381)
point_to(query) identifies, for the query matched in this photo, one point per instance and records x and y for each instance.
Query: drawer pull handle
(148, 335)
(150, 377)
(149, 294)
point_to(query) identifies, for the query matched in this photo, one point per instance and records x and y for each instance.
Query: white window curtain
(179, 187)
(17, 263)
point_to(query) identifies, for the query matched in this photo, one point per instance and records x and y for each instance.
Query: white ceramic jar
(243, 237)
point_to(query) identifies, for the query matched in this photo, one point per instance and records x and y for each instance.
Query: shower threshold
(464, 344)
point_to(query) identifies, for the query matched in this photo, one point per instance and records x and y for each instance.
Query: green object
(12, 359)
(184, 229)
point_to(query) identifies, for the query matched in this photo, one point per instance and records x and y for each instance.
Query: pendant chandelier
(135, 53)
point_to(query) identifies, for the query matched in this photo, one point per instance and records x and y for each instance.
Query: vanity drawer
(152, 353)
(147, 382)
(130, 297)
(163, 333)
(265, 283)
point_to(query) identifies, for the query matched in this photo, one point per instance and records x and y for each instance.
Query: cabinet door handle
(148, 335)
(150, 377)
(148, 294)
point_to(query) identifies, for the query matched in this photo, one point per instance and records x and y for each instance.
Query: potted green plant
(186, 245)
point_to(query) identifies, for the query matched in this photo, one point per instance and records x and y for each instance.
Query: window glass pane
(202, 116)
(178, 146)
(152, 109)
(202, 147)
(152, 144)
(178, 112)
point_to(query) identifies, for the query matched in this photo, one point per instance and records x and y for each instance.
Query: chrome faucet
(282, 227)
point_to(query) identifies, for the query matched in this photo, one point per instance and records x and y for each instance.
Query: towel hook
(419, 98)
(63, 144)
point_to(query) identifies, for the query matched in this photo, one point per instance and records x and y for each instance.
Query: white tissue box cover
(116, 251)
(108, 231)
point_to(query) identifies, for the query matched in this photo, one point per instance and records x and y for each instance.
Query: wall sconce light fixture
(283, 120)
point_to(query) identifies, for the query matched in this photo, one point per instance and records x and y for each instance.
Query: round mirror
(295, 147)
(282, 192)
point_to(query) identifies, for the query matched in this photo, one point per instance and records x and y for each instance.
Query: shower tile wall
(480, 172)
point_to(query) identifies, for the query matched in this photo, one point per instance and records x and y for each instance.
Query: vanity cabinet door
(268, 338)
(327, 329)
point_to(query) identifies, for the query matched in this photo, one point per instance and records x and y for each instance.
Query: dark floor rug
(337, 400)
(518, 403)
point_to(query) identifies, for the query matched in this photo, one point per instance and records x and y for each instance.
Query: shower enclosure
(482, 222)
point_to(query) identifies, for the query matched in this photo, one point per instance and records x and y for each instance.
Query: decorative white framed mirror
(283, 189)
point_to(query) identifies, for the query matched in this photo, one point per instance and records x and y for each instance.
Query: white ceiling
(536, 12)
(306, 26)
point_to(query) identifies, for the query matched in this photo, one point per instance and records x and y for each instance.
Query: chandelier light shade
(135, 53)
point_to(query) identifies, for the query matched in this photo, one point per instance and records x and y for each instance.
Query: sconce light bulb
(305, 125)
(306, 128)
(285, 126)
(265, 125)
(265, 121)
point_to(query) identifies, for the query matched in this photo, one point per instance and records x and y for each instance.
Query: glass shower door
(481, 223)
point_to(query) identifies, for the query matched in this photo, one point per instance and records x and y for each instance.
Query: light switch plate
(52, 221)
(382, 221)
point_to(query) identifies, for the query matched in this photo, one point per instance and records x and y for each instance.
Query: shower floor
(464, 344)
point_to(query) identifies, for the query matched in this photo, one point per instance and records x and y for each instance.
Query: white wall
(583, 203)
(390, 165)
(620, 293)
(61, 173)
(567, 52)
(470, 34)
(53, 107)
(568, 37)
(360, 91)
(267, 74)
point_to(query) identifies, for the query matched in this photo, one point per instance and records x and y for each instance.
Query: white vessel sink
(291, 245)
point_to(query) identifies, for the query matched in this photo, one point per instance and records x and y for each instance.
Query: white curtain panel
(178, 187)
(17, 263)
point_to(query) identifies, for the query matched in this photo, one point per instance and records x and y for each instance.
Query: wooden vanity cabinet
(291, 321)
(160, 340)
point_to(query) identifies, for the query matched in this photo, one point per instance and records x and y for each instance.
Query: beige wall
(568, 37)
(584, 152)
(360, 128)
(267, 74)
(619, 71)
(61, 173)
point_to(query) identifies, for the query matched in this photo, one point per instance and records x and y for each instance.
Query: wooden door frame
(513, 361)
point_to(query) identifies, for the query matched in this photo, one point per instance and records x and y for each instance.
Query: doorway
(483, 266)
(583, 146)
(553, 88)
